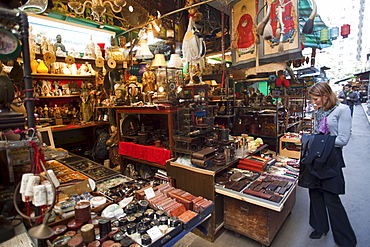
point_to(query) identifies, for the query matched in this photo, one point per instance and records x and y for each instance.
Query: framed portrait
(243, 14)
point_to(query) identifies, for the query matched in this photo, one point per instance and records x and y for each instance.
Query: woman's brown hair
(322, 89)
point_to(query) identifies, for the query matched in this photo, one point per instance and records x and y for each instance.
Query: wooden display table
(233, 210)
(253, 217)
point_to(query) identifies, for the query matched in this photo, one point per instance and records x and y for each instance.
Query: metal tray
(100, 173)
(110, 182)
(71, 159)
(83, 165)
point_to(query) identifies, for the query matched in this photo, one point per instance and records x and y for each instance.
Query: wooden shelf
(224, 116)
(63, 96)
(144, 162)
(77, 60)
(289, 153)
(63, 77)
(292, 124)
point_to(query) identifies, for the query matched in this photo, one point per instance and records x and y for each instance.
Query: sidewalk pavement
(366, 108)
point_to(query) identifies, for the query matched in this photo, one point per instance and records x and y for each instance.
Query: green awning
(312, 40)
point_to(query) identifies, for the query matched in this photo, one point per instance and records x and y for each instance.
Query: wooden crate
(286, 152)
(253, 221)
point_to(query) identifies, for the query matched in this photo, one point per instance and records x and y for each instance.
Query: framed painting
(243, 45)
(277, 42)
(281, 42)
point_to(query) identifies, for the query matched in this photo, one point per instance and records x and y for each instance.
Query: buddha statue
(59, 43)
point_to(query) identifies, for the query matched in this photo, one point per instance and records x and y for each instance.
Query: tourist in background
(348, 97)
(357, 91)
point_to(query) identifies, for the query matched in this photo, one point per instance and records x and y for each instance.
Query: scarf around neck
(321, 120)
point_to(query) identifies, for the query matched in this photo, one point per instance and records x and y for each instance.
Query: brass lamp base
(41, 232)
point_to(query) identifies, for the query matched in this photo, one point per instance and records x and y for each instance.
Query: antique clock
(9, 45)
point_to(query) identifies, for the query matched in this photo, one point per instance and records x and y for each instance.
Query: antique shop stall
(128, 143)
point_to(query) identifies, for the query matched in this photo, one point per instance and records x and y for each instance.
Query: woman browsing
(321, 166)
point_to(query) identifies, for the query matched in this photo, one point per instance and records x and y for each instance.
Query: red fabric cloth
(148, 153)
(66, 127)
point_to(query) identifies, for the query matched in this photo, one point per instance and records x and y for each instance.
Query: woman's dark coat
(321, 164)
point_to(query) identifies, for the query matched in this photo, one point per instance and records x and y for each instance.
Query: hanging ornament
(345, 30)
(282, 81)
(334, 33)
(324, 35)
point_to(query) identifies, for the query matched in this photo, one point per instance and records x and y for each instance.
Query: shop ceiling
(305, 8)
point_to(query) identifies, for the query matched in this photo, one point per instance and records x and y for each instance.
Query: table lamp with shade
(144, 51)
(175, 61)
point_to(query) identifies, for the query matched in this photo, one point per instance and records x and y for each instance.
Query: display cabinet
(145, 134)
(191, 126)
(295, 105)
(167, 82)
(175, 75)
(223, 96)
(77, 138)
(196, 92)
(193, 120)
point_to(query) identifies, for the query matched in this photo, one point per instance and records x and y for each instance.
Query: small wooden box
(283, 151)
(253, 221)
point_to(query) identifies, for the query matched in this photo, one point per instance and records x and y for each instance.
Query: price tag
(154, 232)
(149, 193)
(125, 201)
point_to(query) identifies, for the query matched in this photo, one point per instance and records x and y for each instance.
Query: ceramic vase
(34, 66)
(42, 68)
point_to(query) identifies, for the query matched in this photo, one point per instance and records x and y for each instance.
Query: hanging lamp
(324, 35)
(334, 33)
(345, 30)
